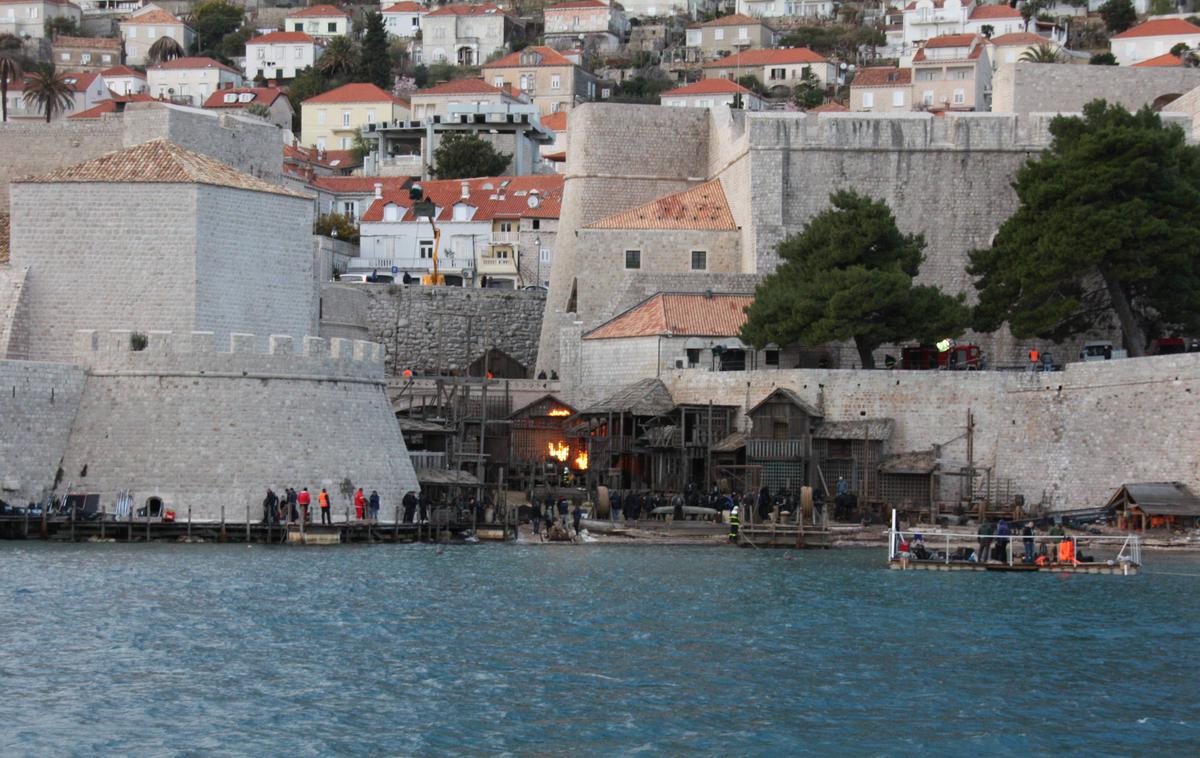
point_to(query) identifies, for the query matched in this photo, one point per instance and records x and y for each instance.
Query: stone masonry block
(117, 341)
(314, 347)
(202, 342)
(242, 343)
(85, 342)
(159, 341)
(281, 344)
(341, 349)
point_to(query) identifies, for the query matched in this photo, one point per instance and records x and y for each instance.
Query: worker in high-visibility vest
(733, 524)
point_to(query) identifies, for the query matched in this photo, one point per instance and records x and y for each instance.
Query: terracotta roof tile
(112, 105)
(951, 40)
(1166, 60)
(259, 96)
(358, 92)
(405, 7)
(155, 17)
(357, 184)
(94, 43)
(80, 81)
(122, 71)
(1017, 38)
(159, 162)
(282, 38)
(719, 86)
(680, 315)
(549, 57)
(702, 207)
(335, 159)
(555, 122)
(829, 107)
(460, 87)
(1160, 27)
(177, 64)
(989, 12)
(882, 76)
(482, 9)
(768, 57)
(571, 4)
(320, 11)
(485, 195)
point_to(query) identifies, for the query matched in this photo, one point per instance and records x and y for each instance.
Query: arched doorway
(154, 507)
(1162, 101)
(466, 56)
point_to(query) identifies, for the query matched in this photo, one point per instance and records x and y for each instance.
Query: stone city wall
(1026, 87)
(207, 429)
(427, 329)
(38, 402)
(1070, 437)
(12, 334)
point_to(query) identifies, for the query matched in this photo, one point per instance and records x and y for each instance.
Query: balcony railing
(494, 264)
(505, 238)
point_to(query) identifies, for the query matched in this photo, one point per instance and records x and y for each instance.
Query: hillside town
(934, 258)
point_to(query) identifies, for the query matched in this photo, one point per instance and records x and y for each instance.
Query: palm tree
(48, 90)
(339, 57)
(164, 49)
(1043, 53)
(10, 69)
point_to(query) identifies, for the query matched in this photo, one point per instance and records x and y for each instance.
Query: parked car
(929, 358)
(1100, 350)
(1167, 346)
(366, 278)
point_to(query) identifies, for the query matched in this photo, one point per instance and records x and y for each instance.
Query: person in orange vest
(1034, 358)
(360, 503)
(323, 501)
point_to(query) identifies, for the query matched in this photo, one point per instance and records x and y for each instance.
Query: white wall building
(190, 80)
(712, 93)
(403, 19)
(1152, 39)
(147, 26)
(321, 21)
(790, 8)
(123, 80)
(280, 55)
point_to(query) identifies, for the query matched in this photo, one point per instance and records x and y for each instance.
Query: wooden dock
(1119, 568)
(65, 529)
(789, 535)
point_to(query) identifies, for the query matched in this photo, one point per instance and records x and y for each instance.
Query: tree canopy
(1108, 227)
(1102, 59)
(849, 276)
(47, 90)
(375, 60)
(461, 156)
(1118, 15)
(213, 20)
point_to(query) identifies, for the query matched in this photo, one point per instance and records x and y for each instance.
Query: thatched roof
(872, 428)
(732, 443)
(1157, 498)
(649, 397)
(791, 397)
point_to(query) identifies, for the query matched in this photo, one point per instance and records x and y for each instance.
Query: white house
(123, 80)
(190, 81)
(280, 55)
(321, 21)
(147, 26)
(712, 93)
(27, 18)
(1000, 18)
(87, 91)
(789, 8)
(403, 19)
(1152, 39)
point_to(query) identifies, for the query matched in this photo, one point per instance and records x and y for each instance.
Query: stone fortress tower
(155, 315)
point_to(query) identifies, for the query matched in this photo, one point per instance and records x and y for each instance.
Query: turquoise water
(549, 650)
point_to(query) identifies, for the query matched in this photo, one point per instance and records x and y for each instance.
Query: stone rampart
(1068, 437)
(1025, 87)
(38, 403)
(205, 428)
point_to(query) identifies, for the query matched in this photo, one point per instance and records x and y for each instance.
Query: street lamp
(537, 249)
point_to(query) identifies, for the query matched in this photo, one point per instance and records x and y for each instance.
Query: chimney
(378, 190)
(466, 190)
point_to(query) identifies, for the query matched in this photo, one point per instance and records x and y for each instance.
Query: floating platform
(1121, 569)
(792, 536)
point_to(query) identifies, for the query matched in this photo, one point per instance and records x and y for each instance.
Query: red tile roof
(830, 107)
(736, 19)
(718, 86)
(555, 122)
(405, 7)
(882, 76)
(482, 9)
(989, 12)
(1166, 60)
(122, 71)
(549, 57)
(159, 162)
(332, 159)
(951, 40)
(701, 207)
(1017, 38)
(191, 63)
(114, 104)
(575, 4)
(258, 96)
(680, 315)
(483, 194)
(280, 38)
(80, 81)
(768, 58)
(936, 4)
(460, 87)
(1160, 27)
(87, 43)
(356, 184)
(320, 11)
(155, 17)
(357, 92)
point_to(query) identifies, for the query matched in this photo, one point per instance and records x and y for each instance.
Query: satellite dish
(533, 201)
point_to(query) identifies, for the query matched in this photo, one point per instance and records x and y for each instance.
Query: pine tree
(375, 61)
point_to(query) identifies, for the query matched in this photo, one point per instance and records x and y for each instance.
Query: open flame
(560, 451)
(581, 461)
(559, 412)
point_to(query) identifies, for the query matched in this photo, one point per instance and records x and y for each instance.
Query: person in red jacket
(360, 502)
(304, 500)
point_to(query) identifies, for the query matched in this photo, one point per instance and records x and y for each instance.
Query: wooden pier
(789, 535)
(65, 529)
(1125, 568)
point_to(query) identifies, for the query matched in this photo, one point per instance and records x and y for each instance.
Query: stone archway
(1161, 102)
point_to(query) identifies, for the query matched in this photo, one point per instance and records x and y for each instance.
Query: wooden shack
(906, 481)
(853, 450)
(497, 364)
(780, 439)
(623, 430)
(1154, 505)
(541, 435)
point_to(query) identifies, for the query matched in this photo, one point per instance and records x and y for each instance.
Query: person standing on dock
(615, 503)
(304, 500)
(422, 508)
(562, 511)
(269, 504)
(577, 517)
(535, 517)
(410, 506)
(985, 540)
(1002, 535)
(373, 501)
(733, 524)
(360, 503)
(290, 497)
(323, 502)
(1027, 535)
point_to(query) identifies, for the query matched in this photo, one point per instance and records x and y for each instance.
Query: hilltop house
(280, 55)
(27, 18)
(464, 34)
(87, 90)
(403, 19)
(598, 26)
(1152, 39)
(809, 9)
(952, 73)
(93, 54)
(882, 89)
(122, 80)
(727, 34)
(189, 81)
(436, 100)
(321, 21)
(551, 80)
(330, 120)
(1008, 48)
(774, 68)
(241, 98)
(712, 93)
(146, 26)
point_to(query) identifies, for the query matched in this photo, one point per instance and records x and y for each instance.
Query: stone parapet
(197, 353)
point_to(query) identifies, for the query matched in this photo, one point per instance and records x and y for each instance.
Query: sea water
(585, 650)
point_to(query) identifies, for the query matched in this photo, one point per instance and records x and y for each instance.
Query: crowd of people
(293, 506)
(995, 541)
